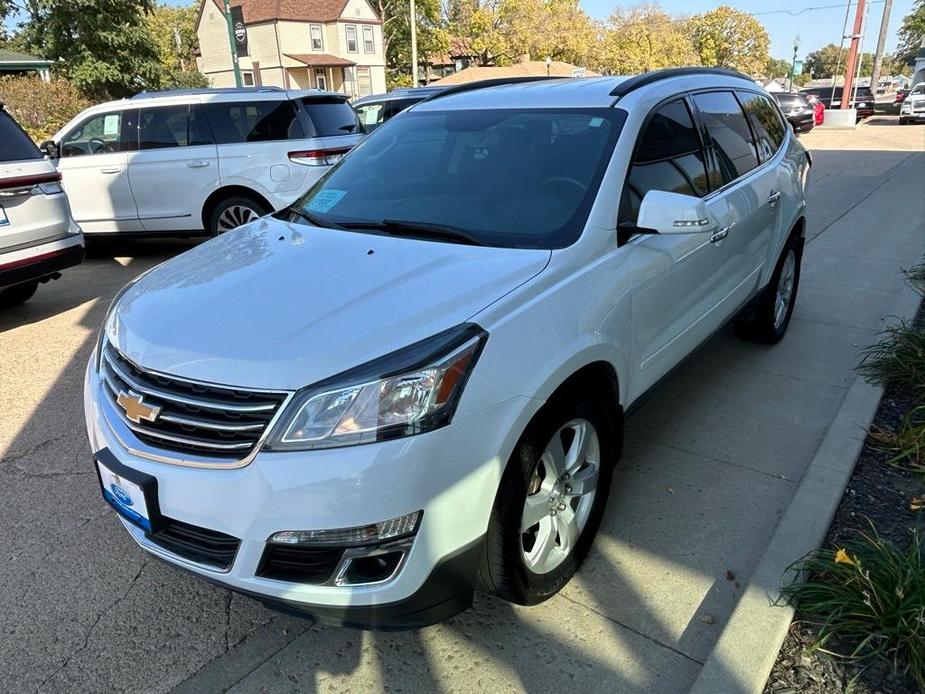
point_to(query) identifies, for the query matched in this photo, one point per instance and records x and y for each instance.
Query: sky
(817, 22)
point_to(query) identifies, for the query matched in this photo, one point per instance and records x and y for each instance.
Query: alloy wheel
(236, 216)
(784, 289)
(560, 496)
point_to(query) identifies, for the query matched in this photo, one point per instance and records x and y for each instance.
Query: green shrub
(897, 360)
(869, 594)
(907, 443)
(41, 108)
(916, 278)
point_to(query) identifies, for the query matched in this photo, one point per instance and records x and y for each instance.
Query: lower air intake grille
(196, 544)
(313, 565)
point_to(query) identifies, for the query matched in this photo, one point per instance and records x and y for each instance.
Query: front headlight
(407, 392)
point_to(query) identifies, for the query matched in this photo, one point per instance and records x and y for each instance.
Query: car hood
(275, 305)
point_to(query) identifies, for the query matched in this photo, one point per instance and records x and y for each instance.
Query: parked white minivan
(198, 161)
(414, 379)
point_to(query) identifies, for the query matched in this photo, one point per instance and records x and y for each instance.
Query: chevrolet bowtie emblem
(135, 409)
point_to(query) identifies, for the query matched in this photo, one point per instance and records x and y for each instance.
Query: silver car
(38, 236)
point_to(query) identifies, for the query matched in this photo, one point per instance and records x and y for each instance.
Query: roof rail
(633, 83)
(491, 82)
(207, 90)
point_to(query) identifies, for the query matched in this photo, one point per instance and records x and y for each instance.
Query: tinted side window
(15, 145)
(728, 132)
(256, 121)
(100, 134)
(331, 116)
(163, 127)
(371, 115)
(766, 123)
(669, 157)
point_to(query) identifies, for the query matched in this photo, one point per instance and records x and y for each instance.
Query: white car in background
(913, 106)
(198, 161)
(38, 237)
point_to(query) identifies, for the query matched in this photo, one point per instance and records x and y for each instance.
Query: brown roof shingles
(320, 59)
(293, 10)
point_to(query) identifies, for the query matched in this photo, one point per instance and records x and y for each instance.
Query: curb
(742, 658)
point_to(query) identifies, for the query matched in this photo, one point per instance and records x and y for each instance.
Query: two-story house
(295, 44)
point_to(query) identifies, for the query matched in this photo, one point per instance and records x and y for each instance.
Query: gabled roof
(291, 10)
(13, 57)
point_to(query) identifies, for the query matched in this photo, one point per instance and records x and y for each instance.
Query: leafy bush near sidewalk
(870, 593)
(41, 108)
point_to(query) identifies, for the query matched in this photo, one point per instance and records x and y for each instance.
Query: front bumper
(451, 474)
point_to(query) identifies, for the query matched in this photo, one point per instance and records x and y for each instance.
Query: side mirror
(672, 213)
(50, 148)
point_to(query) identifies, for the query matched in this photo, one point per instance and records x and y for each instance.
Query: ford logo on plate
(121, 495)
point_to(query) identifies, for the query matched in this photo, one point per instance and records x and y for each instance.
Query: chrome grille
(206, 420)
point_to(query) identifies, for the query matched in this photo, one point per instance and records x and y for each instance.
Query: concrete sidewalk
(711, 463)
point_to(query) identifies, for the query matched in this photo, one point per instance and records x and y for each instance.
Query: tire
(903, 121)
(17, 294)
(506, 568)
(766, 321)
(233, 212)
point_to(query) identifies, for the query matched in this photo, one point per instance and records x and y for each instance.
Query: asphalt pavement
(711, 462)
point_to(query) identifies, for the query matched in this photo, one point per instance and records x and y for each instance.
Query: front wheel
(770, 315)
(550, 502)
(234, 212)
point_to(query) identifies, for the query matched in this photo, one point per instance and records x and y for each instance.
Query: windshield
(917, 90)
(15, 145)
(505, 177)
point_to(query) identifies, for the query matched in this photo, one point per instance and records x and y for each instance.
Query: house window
(350, 86)
(364, 83)
(321, 81)
(248, 78)
(369, 44)
(317, 39)
(351, 38)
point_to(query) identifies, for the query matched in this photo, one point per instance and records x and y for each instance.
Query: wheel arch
(219, 194)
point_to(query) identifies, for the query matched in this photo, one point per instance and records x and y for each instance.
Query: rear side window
(728, 133)
(669, 157)
(766, 123)
(371, 115)
(329, 116)
(15, 145)
(173, 126)
(255, 121)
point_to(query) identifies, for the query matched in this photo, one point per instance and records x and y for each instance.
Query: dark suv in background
(797, 110)
(863, 99)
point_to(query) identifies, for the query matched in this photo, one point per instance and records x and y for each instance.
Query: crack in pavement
(93, 626)
(629, 628)
(35, 448)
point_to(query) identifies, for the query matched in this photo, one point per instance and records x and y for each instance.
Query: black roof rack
(491, 82)
(628, 85)
(207, 90)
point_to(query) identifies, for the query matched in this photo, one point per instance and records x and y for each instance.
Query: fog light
(361, 535)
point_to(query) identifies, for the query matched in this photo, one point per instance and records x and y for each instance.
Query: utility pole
(881, 41)
(414, 46)
(852, 55)
(232, 44)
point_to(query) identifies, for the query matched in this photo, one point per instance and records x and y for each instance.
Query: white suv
(415, 377)
(199, 160)
(38, 237)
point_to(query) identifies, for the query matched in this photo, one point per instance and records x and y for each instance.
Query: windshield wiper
(312, 219)
(426, 230)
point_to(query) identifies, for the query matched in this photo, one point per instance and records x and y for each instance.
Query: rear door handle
(773, 198)
(112, 170)
(719, 235)
(197, 164)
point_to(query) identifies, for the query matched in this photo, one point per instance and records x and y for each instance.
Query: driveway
(711, 461)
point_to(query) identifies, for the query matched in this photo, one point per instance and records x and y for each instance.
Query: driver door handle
(111, 170)
(197, 164)
(719, 235)
(773, 198)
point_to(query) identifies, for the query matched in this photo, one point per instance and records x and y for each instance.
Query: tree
(831, 60)
(642, 38)
(911, 34)
(103, 45)
(433, 39)
(725, 37)
(172, 31)
(777, 67)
